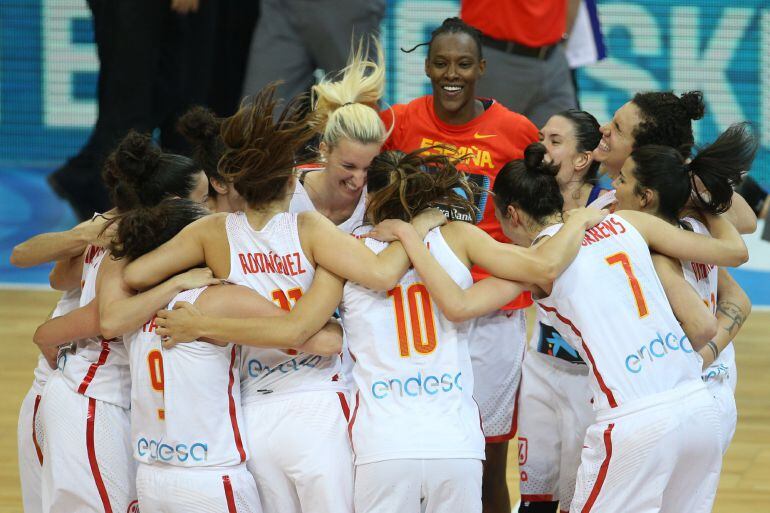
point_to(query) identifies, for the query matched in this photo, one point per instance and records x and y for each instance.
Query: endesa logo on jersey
(655, 349)
(258, 369)
(417, 386)
(161, 451)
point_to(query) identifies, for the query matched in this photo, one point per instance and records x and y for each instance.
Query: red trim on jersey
(91, 449)
(602, 470)
(345, 407)
(229, 494)
(545, 497)
(94, 367)
(602, 385)
(233, 417)
(353, 420)
(514, 423)
(34, 431)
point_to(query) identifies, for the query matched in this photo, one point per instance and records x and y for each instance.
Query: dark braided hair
(667, 119)
(451, 26)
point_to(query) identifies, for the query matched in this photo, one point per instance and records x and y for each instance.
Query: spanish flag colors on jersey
(487, 142)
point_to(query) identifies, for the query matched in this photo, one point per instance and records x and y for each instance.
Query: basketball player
(488, 135)
(657, 180)
(84, 410)
(555, 399)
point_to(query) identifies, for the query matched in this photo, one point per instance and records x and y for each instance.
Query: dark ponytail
(139, 174)
(719, 167)
(402, 185)
(530, 184)
(587, 137)
(145, 228)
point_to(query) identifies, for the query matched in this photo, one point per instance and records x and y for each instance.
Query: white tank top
(412, 369)
(300, 202)
(704, 279)
(185, 401)
(610, 305)
(98, 368)
(68, 302)
(272, 263)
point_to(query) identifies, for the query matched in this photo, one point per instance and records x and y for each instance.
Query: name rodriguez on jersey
(417, 385)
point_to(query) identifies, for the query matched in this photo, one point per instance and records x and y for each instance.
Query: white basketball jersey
(68, 302)
(185, 401)
(704, 278)
(300, 202)
(98, 368)
(610, 305)
(412, 369)
(272, 263)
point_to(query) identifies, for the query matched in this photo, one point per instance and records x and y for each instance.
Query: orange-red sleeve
(394, 119)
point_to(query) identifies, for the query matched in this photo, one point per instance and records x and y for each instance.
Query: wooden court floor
(744, 487)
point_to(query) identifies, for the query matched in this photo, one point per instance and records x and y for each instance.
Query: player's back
(98, 368)
(610, 305)
(271, 262)
(185, 401)
(412, 370)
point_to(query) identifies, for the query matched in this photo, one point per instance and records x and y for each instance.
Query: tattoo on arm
(732, 312)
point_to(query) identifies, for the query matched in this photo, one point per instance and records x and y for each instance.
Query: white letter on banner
(410, 30)
(61, 59)
(764, 80)
(707, 70)
(619, 74)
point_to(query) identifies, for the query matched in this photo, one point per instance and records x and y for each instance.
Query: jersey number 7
(622, 259)
(420, 319)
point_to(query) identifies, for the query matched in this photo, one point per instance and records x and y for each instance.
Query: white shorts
(30, 442)
(497, 343)
(300, 452)
(722, 391)
(168, 489)
(555, 411)
(87, 463)
(661, 453)
(406, 486)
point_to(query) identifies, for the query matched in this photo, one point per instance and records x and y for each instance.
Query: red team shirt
(493, 139)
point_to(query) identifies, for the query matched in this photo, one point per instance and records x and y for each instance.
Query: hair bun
(692, 101)
(199, 125)
(534, 156)
(135, 159)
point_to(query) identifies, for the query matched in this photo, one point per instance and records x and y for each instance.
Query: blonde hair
(346, 107)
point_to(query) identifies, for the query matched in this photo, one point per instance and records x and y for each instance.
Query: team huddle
(264, 328)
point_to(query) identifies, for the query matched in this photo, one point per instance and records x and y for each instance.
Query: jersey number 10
(420, 318)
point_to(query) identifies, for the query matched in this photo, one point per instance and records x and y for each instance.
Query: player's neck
(465, 114)
(534, 228)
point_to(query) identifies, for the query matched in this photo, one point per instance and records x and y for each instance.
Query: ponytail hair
(344, 107)
(530, 184)
(719, 167)
(145, 228)
(259, 151)
(139, 174)
(201, 128)
(401, 185)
